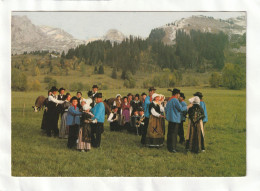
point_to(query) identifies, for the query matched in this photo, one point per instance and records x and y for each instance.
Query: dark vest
(61, 98)
(156, 108)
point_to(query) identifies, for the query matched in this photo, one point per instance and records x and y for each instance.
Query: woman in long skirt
(84, 138)
(126, 112)
(195, 130)
(44, 117)
(64, 129)
(155, 130)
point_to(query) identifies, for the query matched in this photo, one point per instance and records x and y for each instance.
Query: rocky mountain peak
(114, 36)
(204, 24)
(27, 37)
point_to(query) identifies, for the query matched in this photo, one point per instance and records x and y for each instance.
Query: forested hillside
(202, 53)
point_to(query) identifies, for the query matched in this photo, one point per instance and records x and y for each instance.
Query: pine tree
(62, 63)
(101, 70)
(114, 74)
(62, 54)
(95, 70)
(123, 75)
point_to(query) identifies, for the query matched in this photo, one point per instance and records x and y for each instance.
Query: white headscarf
(155, 95)
(195, 100)
(118, 95)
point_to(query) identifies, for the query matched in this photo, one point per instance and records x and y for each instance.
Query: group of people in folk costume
(82, 120)
(175, 113)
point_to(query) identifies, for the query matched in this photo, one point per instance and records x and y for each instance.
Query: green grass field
(120, 154)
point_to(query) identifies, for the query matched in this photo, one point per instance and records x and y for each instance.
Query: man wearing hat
(183, 118)
(52, 113)
(73, 121)
(97, 127)
(94, 90)
(147, 102)
(205, 119)
(113, 119)
(79, 98)
(173, 116)
(136, 103)
(143, 95)
(61, 96)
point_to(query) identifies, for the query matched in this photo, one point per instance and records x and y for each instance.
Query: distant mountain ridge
(204, 24)
(29, 37)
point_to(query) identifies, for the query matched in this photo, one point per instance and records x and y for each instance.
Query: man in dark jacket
(52, 113)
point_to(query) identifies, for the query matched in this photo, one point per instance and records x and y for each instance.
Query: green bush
(215, 80)
(36, 71)
(191, 81)
(51, 83)
(105, 87)
(165, 80)
(233, 77)
(76, 86)
(56, 70)
(129, 80)
(47, 79)
(36, 85)
(146, 84)
(129, 83)
(18, 80)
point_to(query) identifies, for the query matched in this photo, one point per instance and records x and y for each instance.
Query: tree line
(196, 51)
(193, 50)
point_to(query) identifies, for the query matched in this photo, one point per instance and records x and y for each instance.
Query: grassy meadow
(120, 154)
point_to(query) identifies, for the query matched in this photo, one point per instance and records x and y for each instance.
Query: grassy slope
(34, 154)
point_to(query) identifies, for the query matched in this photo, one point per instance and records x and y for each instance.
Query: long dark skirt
(155, 132)
(63, 133)
(52, 124)
(194, 143)
(84, 138)
(73, 136)
(44, 121)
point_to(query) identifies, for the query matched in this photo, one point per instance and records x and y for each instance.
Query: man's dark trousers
(172, 136)
(144, 130)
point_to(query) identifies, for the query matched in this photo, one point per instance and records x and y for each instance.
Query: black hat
(90, 93)
(94, 86)
(98, 95)
(151, 89)
(175, 91)
(53, 89)
(199, 94)
(61, 89)
(137, 95)
(73, 98)
(182, 95)
(143, 94)
(129, 94)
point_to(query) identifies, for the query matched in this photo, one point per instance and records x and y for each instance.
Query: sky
(88, 25)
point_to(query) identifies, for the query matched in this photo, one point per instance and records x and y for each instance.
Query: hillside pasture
(121, 154)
